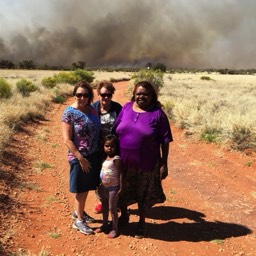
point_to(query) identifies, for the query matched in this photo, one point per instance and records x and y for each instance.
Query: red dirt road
(210, 207)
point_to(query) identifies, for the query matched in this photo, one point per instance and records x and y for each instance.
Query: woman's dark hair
(112, 137)
(150, 88)
(84, 85)
(106, 84)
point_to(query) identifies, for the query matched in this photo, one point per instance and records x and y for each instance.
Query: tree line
(30, 64)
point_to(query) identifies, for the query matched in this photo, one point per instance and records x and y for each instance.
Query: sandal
(113, 233)
(103, 228)
(140, 233)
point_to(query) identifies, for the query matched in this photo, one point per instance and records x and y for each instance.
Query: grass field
(211, 107)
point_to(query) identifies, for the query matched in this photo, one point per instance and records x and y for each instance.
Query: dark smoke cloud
(185, 33)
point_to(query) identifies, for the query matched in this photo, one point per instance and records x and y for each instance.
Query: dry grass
(220, 109)
(18, 109)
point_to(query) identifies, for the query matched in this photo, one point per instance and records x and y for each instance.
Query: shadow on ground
(191, 226)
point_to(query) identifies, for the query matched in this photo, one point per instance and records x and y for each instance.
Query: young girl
(111, 184)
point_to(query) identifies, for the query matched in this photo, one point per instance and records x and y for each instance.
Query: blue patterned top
(86, 130)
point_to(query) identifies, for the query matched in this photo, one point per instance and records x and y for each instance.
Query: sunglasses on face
(103, 95)
(142, 94)
(80, 95)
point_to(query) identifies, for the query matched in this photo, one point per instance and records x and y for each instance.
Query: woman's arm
(67, 133)
(164, 160)
(119, 166)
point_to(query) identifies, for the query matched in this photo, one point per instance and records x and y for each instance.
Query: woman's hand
(163, 171)
(85, 164)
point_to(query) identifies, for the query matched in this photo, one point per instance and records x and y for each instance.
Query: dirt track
(210, 207)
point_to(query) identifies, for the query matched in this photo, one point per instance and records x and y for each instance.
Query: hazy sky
(177, 33)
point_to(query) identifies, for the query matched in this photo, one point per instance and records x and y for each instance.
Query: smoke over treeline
(185, 33)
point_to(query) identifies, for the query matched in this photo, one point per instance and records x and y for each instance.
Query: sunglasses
(142, 94)
(103, 95)
(80, 95)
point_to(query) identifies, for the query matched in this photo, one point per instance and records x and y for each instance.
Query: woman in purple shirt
(144, 133)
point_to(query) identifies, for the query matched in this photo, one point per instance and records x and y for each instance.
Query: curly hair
(106, 84)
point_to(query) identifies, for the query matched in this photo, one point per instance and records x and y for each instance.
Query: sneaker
(86, 217)
(98, 208)
(82, 227)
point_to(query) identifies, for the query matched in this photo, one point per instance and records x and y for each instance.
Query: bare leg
(80, 200)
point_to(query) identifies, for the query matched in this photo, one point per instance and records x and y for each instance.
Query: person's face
(82, 96)
(105, 96)
(143, 97)
(110, 148)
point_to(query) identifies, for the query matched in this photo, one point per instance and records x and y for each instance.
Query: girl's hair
(112, 137)
(150, 88)
(84, 85)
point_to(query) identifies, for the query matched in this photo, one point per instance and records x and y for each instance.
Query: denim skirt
(80, 181)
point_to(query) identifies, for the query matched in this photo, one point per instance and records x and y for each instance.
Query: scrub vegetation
(215, 108)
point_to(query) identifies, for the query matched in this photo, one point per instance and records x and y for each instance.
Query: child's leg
(103, 192)
(113, 207)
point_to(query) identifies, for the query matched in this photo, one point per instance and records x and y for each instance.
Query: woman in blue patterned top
(81, 129)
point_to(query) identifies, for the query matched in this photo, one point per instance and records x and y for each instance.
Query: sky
(176, 33)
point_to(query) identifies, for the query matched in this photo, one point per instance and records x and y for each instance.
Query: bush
(25, 87)
(84, 75)
(49, 82)
(153, 76)
(59, 99)
(207, 78)
(74, 76)
(210, 134)
(5, 89)
(242, 137)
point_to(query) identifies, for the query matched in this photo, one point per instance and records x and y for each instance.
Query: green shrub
(84, 75)
(210, 135)
(25, 87)
(153, 76)
(65, 77)
(59, 99)
(5, 89)
(74, 76)
(49, 82)
(207, 78)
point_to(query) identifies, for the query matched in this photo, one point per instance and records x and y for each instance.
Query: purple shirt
(141, 135)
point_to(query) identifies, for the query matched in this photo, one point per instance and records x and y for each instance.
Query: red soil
(210, 206)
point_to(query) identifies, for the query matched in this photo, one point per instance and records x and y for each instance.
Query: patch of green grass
(218, 241)
(55, 145)
(249, 163)
(210, 135)
(41, 166)
(55, 235)
(52, 199)
(170, 195)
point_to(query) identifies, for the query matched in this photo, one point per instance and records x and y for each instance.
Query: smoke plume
(185, 33)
